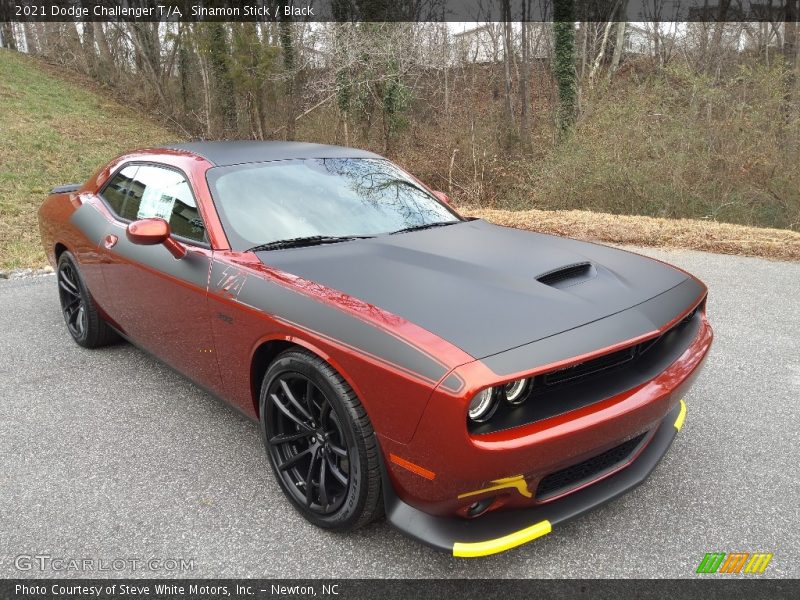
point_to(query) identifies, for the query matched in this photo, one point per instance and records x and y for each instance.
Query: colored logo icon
(734, 562)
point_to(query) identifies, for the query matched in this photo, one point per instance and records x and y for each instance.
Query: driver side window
(147, 191)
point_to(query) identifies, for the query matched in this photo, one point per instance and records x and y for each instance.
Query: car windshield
(264, 203)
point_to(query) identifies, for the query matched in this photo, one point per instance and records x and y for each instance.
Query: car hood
(476, 285)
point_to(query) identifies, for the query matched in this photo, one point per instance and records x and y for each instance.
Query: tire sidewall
(67, 258)
(349, 512)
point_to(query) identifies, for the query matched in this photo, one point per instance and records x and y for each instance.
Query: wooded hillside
(697, 120)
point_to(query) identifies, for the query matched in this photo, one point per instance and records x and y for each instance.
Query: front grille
(590, 367)
(563, 390)
(606, 362)
(585, 471)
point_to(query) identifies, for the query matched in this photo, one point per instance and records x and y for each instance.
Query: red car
(478, 384)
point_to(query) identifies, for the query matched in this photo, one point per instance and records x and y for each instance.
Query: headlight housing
(483, 405)
(486, 402)
(516, 392)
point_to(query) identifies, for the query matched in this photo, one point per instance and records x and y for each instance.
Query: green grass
(53, 131)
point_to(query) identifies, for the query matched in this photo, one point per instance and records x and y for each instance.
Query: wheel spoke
(81, 318)
(325, 414)
(337, 449)
(312, 406)
(323, 493)
(68, 287)
(69, 275)
(69, 310)
(336, 471)
(73, 316)
(293, 400)
(284, 438)
(285, 410)
(310, 476)
(293, 460)
(71, 304)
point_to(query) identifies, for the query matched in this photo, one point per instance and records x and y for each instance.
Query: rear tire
(83, 321)
(320, 442)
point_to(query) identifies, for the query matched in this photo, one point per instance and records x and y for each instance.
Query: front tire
(83, 321)
(320, 442)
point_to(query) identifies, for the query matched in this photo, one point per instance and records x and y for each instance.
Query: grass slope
(53, 131)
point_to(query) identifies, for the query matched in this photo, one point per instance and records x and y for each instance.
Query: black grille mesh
(607, 361)
(566, 478)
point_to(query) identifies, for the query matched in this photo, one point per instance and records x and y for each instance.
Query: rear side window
(148, 191)
(116, 192)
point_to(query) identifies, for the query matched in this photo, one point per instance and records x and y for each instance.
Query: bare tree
(525, 68)
(508, 57)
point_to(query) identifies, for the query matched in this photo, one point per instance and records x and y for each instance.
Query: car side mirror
(442, 197)
(151, 232)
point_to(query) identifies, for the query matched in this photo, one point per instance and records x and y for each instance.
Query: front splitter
(503, 530)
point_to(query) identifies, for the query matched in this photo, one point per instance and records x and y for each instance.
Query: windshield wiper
(311, 240)
(425, 226)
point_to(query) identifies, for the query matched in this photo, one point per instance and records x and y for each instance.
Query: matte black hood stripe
(474, 284)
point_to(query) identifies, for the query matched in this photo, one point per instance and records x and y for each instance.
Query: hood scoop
(569, 275)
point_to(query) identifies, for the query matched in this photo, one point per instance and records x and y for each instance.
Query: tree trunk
(40, 32)
(31, 43)
(790, 41)
(144, 37)
(602, 53)
(223, 85)
(564, 63)
(446, 63)
(619, 42)
(790, 57)
(206, 79)
(106, 58)
(619, 45)
(524, 76)
(7, 34)
(508, 52)
(719, 29)
(287, 45)
(88, 45)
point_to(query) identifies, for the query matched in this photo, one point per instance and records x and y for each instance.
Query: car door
(160, 302)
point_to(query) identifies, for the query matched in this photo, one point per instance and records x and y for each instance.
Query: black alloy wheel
(320, 443)
(308, 443)
(84, 322)
(72, 304)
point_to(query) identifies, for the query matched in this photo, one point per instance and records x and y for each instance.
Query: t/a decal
(231, 282)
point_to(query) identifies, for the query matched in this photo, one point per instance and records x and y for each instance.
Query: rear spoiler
(67, 188)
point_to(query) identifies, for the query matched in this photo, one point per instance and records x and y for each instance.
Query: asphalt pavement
(109, 455)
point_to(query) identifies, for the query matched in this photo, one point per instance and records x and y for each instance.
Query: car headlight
(483, 405)
(516, 391)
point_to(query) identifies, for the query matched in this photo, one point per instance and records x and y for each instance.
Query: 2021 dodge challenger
(477, 384)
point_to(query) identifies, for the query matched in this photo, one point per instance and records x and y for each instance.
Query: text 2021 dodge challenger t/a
(476, 383)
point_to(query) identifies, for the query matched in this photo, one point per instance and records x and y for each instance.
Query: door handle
(110, 241)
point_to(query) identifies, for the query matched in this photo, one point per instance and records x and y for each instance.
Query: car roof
(237, 152)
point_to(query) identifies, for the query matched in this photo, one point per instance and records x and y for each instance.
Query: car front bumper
(498, 531)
